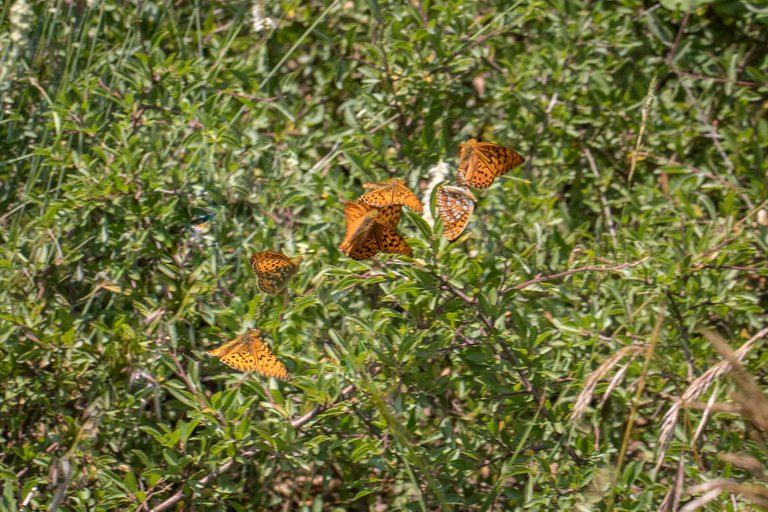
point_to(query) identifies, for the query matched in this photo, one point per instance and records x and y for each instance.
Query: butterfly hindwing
(391, 242)
(266, 363)
(387, 215)
(367, 249)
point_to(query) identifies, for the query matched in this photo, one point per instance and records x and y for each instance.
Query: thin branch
(734, 228)
(346, 394)
(717, 79)
(252, 97)
(700, 266)
(603, 201)
(458, 293)
(678, 37)
(647, 104)
(540, 278)
(187, 382)
(210, 477)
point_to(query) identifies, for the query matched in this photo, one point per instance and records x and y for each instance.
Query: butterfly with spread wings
(249, 353)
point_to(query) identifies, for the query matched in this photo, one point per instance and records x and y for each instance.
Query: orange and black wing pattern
(389, 193)
(248, 353)
(481, 162)
(274, 270)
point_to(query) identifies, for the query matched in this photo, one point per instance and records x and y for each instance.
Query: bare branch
(540, 278)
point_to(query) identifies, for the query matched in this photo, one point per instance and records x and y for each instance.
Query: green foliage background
(121, 120)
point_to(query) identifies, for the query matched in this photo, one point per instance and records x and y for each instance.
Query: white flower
(20, 20)
(437, 174)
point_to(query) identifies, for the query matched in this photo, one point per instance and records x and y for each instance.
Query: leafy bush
(447, 380)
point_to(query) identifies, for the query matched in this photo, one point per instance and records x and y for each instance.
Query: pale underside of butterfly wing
(248, 353)
(360, 221)
(391, 192)
(274, 270)
(481, 162)
(455, 206)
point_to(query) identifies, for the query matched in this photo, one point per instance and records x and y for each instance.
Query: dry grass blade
(745, 462)
(672, 499)
(754, 404)
(590, 383)
(704, 417)
(711, 490)
(614, 382)
(697, 388)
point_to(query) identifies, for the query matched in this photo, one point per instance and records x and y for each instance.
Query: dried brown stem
(540, 278)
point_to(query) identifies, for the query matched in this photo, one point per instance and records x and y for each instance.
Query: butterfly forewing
(481, 162)
(455, 206)
(359, 225)
(274, 270)
(248, 353)
(391, 192)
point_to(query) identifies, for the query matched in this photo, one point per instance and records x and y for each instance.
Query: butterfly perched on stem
(248, 353)
(274, 270)
(455, 206)
(391, 192)
(372, 230)
(481, 162)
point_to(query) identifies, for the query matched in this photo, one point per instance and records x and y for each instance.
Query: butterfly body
(249, 353)
(455, 206)
(481, 162)
(391, 192)
(387, 215)
(274, 270)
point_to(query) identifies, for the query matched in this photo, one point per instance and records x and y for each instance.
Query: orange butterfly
(274, 270)
(391, 192)
(248, 353)
(371, 230)
(481, 162)
(455, 206)
(387, 215)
